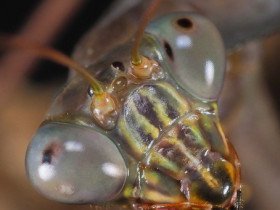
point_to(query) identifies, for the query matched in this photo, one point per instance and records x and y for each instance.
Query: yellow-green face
(166, 145)
(180, 138)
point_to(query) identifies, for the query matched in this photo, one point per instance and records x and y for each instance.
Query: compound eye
(73, 164)
(193, 51)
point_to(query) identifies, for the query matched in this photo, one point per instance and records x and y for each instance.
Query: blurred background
(249, 105)
(26, 96)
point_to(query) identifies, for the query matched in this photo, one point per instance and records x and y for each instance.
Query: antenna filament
(136, 59)
(51, 54)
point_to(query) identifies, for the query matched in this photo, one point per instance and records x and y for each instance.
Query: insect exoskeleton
(149, 133)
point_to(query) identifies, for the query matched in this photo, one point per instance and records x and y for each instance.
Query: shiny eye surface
(73, 164)
(194, 53)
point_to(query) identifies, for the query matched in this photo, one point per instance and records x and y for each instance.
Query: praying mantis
(86, 57)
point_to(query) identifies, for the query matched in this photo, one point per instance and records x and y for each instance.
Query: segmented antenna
(20, 43)
(135, 56)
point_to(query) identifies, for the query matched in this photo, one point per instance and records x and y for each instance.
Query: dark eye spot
(51, 151)
(90, 91)
(47, 156)
(185, 23)
(168, 50)
(118, 65)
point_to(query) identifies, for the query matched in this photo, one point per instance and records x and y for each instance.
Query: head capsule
(83, 164)
(193, 53)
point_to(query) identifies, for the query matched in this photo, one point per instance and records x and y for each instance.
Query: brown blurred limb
(43, 26)
(241, 20)
(237, 20)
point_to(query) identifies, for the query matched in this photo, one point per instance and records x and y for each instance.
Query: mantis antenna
(20, 43)
(136, 59)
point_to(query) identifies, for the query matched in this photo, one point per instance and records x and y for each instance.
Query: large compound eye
(73, 164)
(193, 51)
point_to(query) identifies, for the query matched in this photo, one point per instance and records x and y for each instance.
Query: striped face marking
(148, 110)
(185, 154)
(164, 134)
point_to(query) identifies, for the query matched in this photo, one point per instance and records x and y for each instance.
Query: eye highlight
(185, 23)
(90, 91)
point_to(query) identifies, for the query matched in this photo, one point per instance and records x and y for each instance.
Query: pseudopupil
(47, 156)
(168, 50)
(185, 23)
